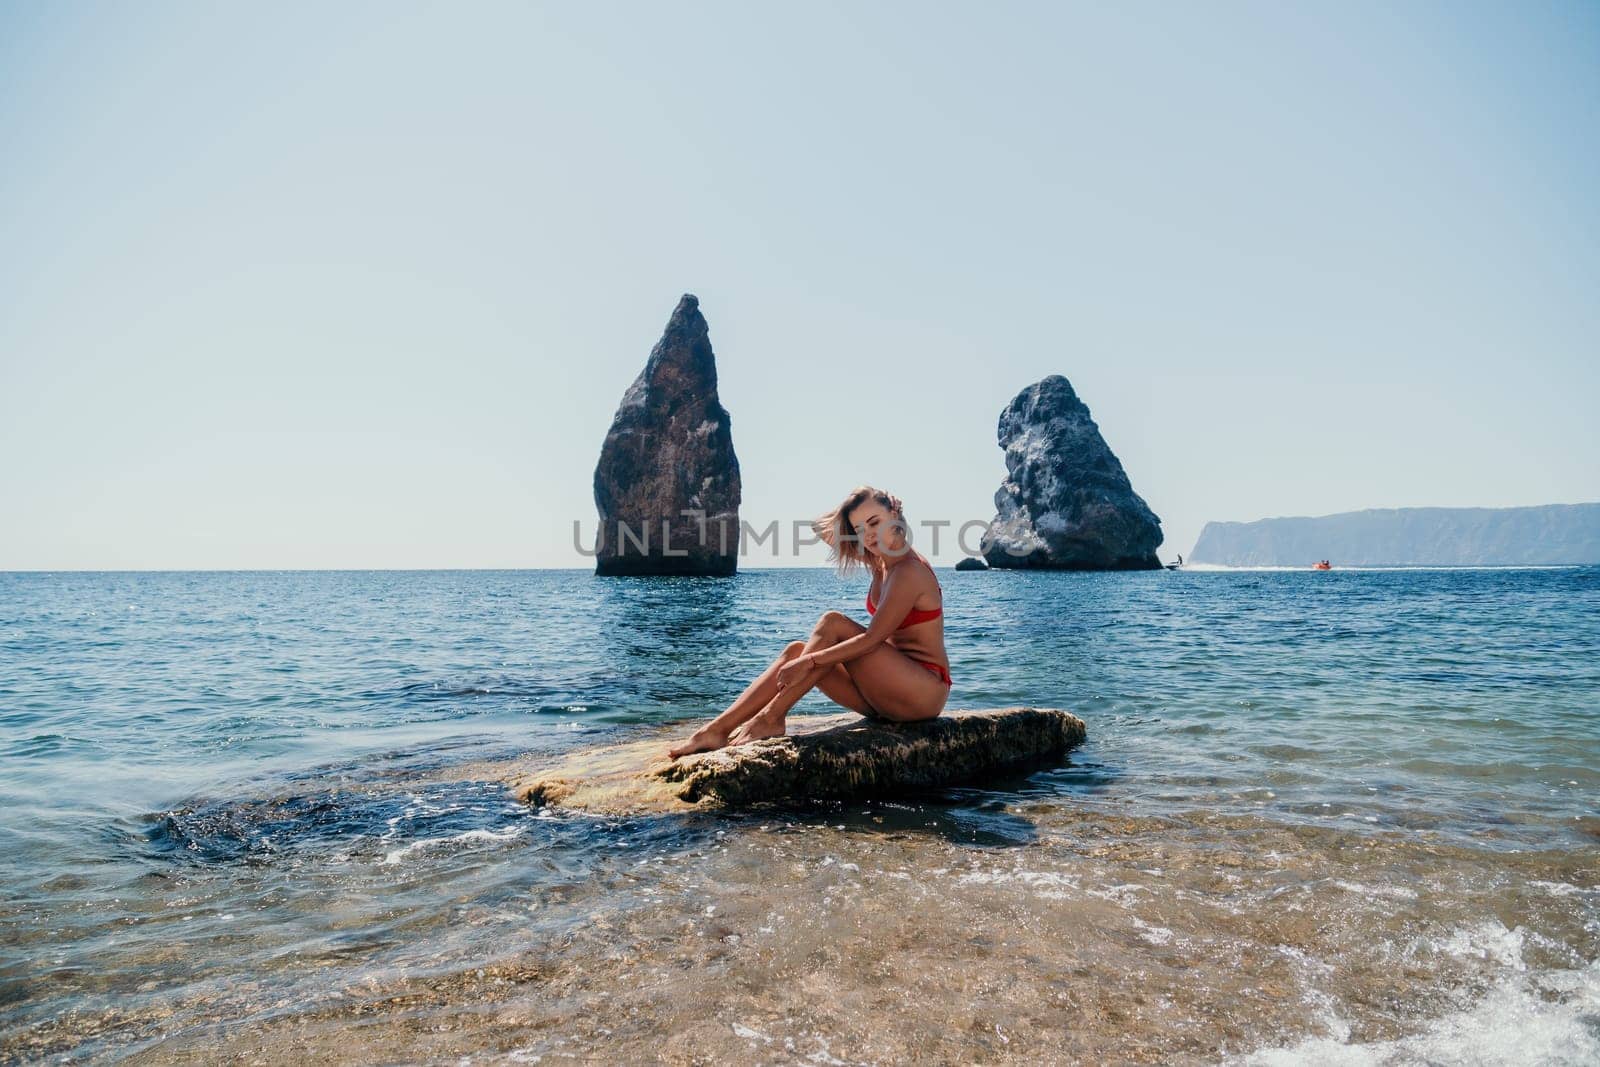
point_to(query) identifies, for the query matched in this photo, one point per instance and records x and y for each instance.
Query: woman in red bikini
(894, 669)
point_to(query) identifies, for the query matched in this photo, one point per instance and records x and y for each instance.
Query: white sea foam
(1547, 1017)
(1046, 884)
(1394, 892)
(1488, 940)
(1119, 894)
(399, 854)
(1224, 568)
(1156, 935)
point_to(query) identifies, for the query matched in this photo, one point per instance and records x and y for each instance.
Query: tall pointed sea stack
(667, 484)
(1066, 503)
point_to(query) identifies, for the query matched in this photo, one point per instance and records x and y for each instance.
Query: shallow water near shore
(1321, 817)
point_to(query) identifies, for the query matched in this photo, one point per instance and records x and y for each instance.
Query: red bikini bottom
(938, 671)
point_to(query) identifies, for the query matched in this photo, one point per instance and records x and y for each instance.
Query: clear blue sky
(360, 286)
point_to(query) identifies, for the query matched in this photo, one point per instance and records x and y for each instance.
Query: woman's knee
(793, 649)
(831, 622)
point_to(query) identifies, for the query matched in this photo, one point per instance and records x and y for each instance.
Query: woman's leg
(755, 697)
(839, 687)
(900, 688)
(832, 628)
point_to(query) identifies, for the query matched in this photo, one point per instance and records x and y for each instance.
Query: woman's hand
(795, 669)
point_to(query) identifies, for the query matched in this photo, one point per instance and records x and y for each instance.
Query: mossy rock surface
(822, 757)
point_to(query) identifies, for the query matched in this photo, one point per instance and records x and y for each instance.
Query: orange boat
(1322, 565)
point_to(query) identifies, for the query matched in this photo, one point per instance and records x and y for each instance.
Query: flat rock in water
(822, 757)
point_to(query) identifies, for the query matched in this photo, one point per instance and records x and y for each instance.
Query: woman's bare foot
(756, 728)
(704, 739)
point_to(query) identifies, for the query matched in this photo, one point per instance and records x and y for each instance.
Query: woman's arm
(899, 594)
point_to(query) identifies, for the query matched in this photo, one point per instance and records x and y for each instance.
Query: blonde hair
(842, 539)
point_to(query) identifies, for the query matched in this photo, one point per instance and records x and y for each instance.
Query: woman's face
(875, 524)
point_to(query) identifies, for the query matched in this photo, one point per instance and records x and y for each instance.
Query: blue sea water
(269, 749)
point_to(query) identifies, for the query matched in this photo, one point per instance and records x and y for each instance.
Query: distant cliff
(1441, 537)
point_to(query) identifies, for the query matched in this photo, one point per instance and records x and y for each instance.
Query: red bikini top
(914, 616)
